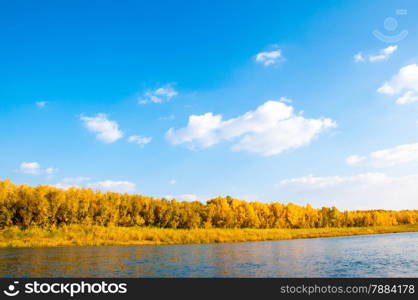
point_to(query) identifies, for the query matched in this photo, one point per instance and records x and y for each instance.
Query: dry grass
(79, 235)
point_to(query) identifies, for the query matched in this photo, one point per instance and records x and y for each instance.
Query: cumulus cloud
(159, 95)
(383, 54)
(183, 197)
(404, 84)
(358, 57)
(270, 129)
(106, 130)
(172, 181)
(407, 153)
(408, 97)
(269, 58)
(50, 171)
(355, 159)
(106, 185)
(315, 182)
(140, 140)
(361, 191)
(30, 168)
(113, 186)
(41, 104)
(34, 168)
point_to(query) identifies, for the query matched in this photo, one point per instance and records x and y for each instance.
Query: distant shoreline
(79, 235)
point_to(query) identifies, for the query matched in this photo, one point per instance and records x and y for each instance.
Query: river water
(385, 255)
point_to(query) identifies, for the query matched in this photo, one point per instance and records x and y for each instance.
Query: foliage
(94, 235)
(47, 206)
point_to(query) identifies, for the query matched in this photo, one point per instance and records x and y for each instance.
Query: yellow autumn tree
(43, 206)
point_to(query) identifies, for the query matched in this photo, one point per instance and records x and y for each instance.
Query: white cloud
(199, 131)
(384, 54)
(106, 130)
(50, 171)
(159, 95)
(106, 185)
(387, 157)
(34, 168)
(405, 84)
(72, 182)
(30, 168)
(359, 57)
(41, 104)
(271, 129)
(172, 181)
(408, 97)
(183, 197)
(113, 186)
(362, 191)
(354, 159)
(140, 140)
(314, 182)
(64, 186)
(269, 58)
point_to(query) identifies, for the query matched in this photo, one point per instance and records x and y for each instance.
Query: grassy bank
(78, 235)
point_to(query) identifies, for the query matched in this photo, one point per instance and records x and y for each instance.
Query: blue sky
(262, 100)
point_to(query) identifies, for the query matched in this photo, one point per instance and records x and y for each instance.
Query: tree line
(44, 206)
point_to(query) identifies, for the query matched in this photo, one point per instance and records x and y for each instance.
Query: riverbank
(78, 235)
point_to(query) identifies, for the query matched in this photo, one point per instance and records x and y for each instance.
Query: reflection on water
(388, 255)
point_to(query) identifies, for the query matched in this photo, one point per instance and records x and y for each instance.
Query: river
(384, 255)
